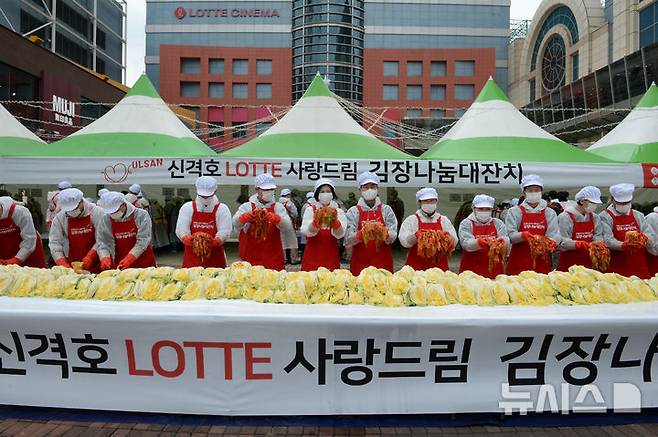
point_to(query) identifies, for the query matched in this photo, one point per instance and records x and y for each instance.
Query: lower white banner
(304, 172)
(246, 358)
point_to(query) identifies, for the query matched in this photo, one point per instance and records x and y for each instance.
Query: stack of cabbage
(373, 286)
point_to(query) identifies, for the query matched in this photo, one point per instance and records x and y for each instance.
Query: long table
(246, 358)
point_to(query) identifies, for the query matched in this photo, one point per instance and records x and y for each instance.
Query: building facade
(237, 60)
(580, 60)
(91, 33)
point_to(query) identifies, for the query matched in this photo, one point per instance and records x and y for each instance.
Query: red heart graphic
(116, 173)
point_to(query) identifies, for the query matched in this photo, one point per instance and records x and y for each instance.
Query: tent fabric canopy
(492, 129)
(16, 139)
(141, 124)
(635, 139)
(317, 127)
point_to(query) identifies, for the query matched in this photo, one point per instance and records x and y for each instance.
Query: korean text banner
(246, 358)
(291, 172)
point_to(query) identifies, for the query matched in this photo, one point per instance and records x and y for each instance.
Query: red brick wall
(171, 77)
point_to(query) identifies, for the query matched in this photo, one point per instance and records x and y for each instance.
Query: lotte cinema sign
(181, 13)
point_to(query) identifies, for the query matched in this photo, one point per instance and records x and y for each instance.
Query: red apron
(478, 260)
(582, 231)
(268, 252)
(125, 237)
(520, 258)
(82, 238)
(321, 251)
(622, 261)
(418, 262)
(366, 255)
(205, 222)
(10, 241)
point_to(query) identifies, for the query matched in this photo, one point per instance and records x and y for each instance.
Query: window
(437, 113)
(464, 92)
(264, 67)
(574, 67)
(438, 68)
(561, 15)
(649, 25)
(262, 127)
(264, 91)
(240, 67)
(414, 68)
(239, 130)
(465, 68)
(190, 89)
(414, 92)
(216, 66)
(533, 87)
(216, 90)
(216, 130)
(391, 68)
(190, 65)
(100, 65)
(390, 92)
(438, 92)
(414, 113)
(240, 91)
(100, 38)
(459, 112)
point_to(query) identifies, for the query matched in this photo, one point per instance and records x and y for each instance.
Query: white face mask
(428, 208)
(533, 197)
(483, 216)
(268, 196)
(591, 207)
(205, 201)
(369, 194)
(325, 198)
(77, 212)
(623, 209)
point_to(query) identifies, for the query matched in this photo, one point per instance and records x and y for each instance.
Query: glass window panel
(414, 92)
(464, 68)
(264, 91)
(240, 66)
(591, 94)
(190, 65)
(391, 68)
(459, 112)
(216, 66)
(240, 91)
(437, 113)
(390, 92)
(414, 113)
(438, 92)
(603, 82)
(464, 92)
(190, 89)
(578, 97)
(216, 90)
(651, 62)
(414, 68)
(264, 67)
(635, 70)
(567, 103)
(438, 68)
(619, 83)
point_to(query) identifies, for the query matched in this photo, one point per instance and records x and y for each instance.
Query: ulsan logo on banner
(119, 172)
(650, 175)
(64, 110)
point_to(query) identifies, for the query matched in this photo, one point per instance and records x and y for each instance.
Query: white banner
(293, 172)
(246, 358)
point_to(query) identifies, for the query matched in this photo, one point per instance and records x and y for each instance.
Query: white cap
(590, 193)
(622, 192)
(64, 185)
(532, 179)
(265, 181)
(286, 192)
(483, 201)
(69, 199)
(323, 181)
(110, 202)
(130, 198)
(206, 186)
(309, 194)
(135, 189)
(102, 191)
(426, 194)
(367, 178)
